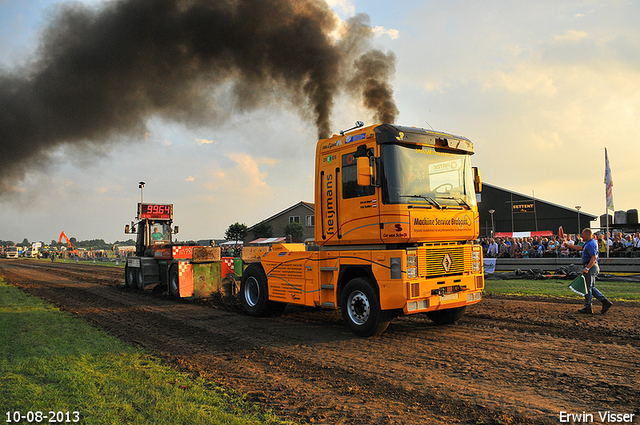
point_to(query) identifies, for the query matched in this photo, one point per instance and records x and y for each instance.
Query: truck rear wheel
(446, 317)
(174, 282)
(130, 277)
(254, 291)
(361, 310)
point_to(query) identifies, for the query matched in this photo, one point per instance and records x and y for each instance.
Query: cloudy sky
(541, 88)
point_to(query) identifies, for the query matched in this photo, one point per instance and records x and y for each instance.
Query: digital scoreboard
(155, 211)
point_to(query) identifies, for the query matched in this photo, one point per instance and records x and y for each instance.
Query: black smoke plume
(101, 73)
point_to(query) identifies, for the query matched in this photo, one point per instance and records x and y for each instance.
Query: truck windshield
(426, 175)
(159, 232)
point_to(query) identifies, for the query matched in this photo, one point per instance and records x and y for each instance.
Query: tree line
(238, 231)
(235, 232)
(92, 244)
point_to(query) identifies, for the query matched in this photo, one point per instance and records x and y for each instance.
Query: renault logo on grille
(446, 262)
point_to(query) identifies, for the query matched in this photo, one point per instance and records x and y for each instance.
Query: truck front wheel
(174, 282)
(446, 317)
(361, 309)
(254, 292)
(140, 278)
(130, 277)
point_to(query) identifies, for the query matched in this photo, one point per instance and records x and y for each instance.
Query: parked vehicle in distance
(11, 252)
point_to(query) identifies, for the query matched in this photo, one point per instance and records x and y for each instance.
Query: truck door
(326, 191)
(358, 206)
(141, 241)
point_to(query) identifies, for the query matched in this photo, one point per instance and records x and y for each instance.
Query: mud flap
(228, 266)
(199, 280)
(185, 278)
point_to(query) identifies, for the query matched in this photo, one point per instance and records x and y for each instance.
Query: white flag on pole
(608, 181)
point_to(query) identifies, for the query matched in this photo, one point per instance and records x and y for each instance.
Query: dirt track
(506, 362)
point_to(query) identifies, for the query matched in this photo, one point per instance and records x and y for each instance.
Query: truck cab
(153, 228)
(154, 242)
(396, 220)
(395, 185)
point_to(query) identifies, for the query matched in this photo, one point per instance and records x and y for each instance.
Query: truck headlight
(476, 258)
(412, 266)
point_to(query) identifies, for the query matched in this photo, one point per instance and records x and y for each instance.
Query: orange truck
(396, 218)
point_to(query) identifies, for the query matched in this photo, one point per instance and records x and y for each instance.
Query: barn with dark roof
(514, 212)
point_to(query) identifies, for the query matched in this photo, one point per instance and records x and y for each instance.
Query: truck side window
(350, 188)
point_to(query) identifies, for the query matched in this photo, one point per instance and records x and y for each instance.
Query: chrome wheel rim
(251, 291)
(358, 307)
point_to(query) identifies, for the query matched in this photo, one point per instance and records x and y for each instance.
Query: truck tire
(130, 277)
(174, 282)
(254, 291)
(446, 317)
(140, 278)
(361, 310)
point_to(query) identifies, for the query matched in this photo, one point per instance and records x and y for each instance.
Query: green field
(82, 262)
(53, 363)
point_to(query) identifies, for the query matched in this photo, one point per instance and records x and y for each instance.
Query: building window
(294, 219)
(311, 220)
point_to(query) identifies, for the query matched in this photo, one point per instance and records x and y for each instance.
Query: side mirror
(176, 229)
(126, 228)
(365, 171)
(477, 181)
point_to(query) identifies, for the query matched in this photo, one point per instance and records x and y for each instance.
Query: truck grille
(443, 261)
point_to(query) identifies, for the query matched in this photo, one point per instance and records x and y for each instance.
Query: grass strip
(51, 362)
(91, 262)
(559, 288)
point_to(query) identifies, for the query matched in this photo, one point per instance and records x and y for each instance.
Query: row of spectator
(231, 251)
(553, 246)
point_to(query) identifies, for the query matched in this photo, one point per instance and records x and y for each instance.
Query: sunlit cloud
(379, 31)
(201, 142)
(572, 36)
(526, 78)
(245, 177)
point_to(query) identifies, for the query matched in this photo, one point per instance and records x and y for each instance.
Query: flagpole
(606, 217)
(606, 198)
(608, 187)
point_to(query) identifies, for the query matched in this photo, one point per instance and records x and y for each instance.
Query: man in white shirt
(492, 250)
